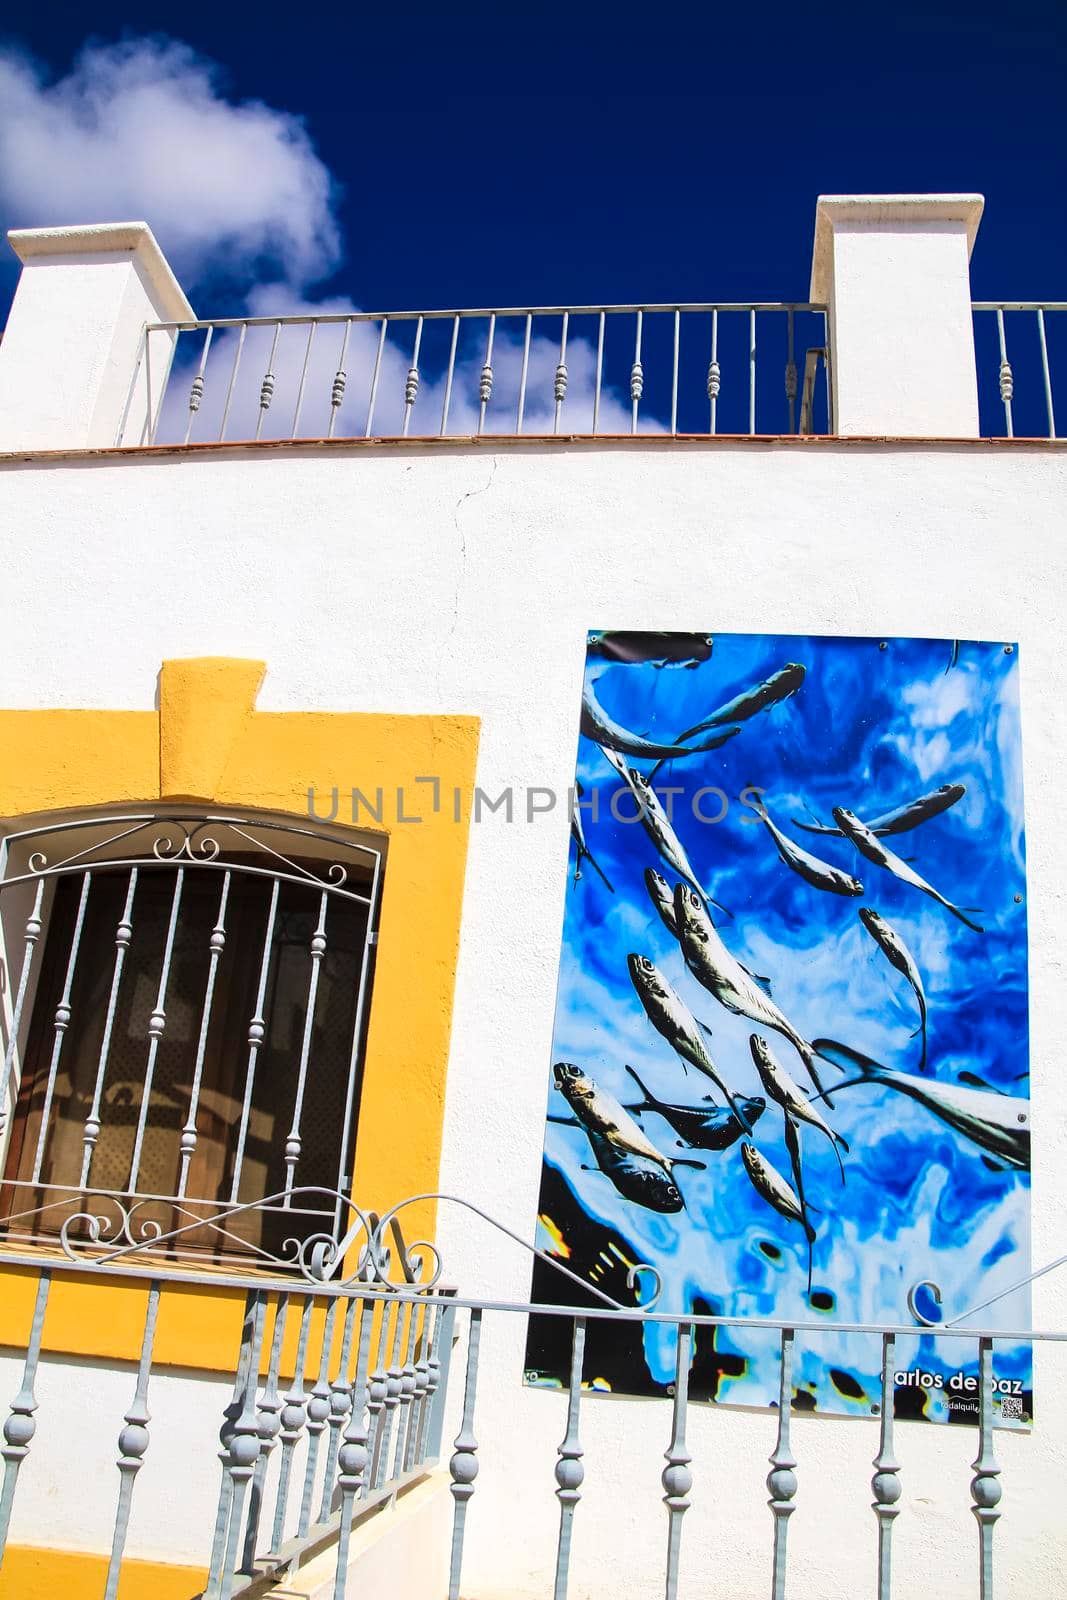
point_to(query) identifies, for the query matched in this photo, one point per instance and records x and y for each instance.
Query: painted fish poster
(789, 1067)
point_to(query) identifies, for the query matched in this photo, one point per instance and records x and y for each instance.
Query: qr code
(1011, 1407)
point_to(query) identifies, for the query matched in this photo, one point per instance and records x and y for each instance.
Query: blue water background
(875, 724)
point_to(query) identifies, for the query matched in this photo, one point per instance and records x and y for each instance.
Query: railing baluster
(985, 1485)
(559, 387)
(449, 376)
(674, 371)
(408, 1382)
(19, 1426)
(782, 1480)
(637, 376)
(599, 371)
(411, 384)
(677, 1479)
(885, 1485)
(463, 1466)
(752, 372)
(714, 375)
(303, 380)
(244, 1449)
(429, 1415)
(257, 1032)
(340, 1404)
(560, 376)
(440, 1368)
(293, 1417)
(216, 944)
(485, 382)
(266, 388)
(233, 380)
(340, 380)
(156, 1024)
(791, 372)
(123, 935)
(268, 1428)
(133, 1442)
(292, 1143)
(318, 1411)
(229, 1423)
(570, 1473)
(523, 372)
(196, 388)
(417, 1416)
(1007, 382)
(31, 936)
(1045, 373)
(155, 411)
(376, 1392)
(374, 377)
(352, 1457)
(391, 1397)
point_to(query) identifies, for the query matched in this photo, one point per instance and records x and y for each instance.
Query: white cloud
(144, 129)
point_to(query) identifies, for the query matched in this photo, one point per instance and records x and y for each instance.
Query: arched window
(185, 1008)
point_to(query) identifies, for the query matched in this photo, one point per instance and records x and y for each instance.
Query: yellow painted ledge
(34, 1574)
(208, 741)
(203, 707)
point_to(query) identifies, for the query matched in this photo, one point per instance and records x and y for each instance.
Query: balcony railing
(312, 1440)
(578, 371)
(589, 371)
(1018, 346)
(362, 1411)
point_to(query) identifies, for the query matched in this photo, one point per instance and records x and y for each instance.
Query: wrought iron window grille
(183, 1026)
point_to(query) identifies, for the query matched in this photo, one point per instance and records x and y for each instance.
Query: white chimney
(894, 271)
(73, 367)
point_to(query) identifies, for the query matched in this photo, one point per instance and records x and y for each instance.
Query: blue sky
(472, 155)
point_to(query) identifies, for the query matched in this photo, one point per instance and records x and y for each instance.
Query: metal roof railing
(580, 371)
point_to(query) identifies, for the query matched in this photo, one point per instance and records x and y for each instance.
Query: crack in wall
(471, 494)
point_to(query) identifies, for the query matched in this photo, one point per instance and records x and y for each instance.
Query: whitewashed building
(293, 624)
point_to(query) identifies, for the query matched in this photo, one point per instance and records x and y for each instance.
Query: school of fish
(623, 1149)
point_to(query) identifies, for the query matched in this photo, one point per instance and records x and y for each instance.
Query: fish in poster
(816, 1101)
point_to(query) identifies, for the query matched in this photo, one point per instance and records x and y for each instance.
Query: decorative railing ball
(986, 1492)
(19, 1429)
(677, 1480)
(887, 1489)
(463, 1468)
(352, 1460)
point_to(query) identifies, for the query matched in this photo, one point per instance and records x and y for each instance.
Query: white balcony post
(894, 271)
(73, 368)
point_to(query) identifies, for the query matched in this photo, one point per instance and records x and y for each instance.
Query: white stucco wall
(451, 579)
